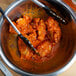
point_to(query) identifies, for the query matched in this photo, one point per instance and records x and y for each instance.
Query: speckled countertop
(70, 72)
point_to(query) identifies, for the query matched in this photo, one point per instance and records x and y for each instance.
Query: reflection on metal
(5, 70)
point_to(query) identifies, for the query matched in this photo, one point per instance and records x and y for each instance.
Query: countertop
(70, 72)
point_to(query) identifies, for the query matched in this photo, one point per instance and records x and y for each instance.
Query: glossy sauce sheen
(43, 35)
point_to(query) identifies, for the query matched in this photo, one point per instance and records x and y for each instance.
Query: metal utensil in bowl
(50, 12)
(25, 40)
(66, 47)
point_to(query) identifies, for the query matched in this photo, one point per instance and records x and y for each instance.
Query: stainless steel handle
(38, 3)
(3, 13)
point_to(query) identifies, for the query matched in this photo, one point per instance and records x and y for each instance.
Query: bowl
(66, 48)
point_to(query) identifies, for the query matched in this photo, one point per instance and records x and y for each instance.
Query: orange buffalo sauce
(42, 34)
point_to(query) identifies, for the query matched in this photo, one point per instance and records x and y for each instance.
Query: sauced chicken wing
(40, 27)
(35, 23)
(41, 30)
(54, 32)
(36, 30)
(22, 25)
(44, 48)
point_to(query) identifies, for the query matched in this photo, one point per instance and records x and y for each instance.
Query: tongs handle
(53, 14)
(3, 13)
(25, 40)
(50, 12)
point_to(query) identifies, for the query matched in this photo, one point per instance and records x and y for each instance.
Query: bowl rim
(16, 69)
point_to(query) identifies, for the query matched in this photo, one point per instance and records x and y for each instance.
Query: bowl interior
(65, 48)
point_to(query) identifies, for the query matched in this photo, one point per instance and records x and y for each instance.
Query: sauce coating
(42, 34)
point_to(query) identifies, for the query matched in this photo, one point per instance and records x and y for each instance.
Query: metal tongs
(25, 40)
(50, 12)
